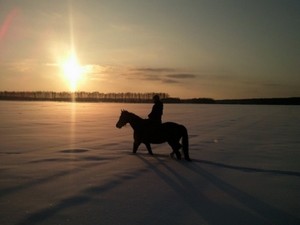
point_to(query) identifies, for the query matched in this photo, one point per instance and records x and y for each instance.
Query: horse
(146, 132)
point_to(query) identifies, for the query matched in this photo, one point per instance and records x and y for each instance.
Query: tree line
(80, 96)
(134, 98)
(261, 101)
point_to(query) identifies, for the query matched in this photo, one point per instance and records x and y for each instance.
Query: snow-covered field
(67, 163)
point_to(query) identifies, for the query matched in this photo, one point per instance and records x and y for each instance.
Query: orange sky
(218, 49)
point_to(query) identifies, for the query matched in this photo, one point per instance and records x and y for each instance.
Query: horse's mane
(134, 115)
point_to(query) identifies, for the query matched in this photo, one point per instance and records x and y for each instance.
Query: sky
(186, 48)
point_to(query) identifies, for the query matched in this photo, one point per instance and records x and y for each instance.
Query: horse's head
(124, 119)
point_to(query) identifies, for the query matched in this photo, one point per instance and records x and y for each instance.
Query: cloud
(159, 74)
(94, 69)
(181, 76)
(149, 74)
(154, 70)
(150, 77)
(24, 65)
(278, 85)
(169, 81)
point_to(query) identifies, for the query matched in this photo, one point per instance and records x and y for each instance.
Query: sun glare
(73, 71)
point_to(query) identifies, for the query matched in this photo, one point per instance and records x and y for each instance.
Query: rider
(157, 110)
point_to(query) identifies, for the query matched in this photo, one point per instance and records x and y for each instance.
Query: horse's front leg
(136, 144)
(148, 146)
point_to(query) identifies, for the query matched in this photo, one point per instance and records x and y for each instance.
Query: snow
(67, 163)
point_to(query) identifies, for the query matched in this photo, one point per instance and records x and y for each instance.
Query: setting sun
(72, 71)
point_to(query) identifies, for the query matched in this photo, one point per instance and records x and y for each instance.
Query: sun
(72, 71)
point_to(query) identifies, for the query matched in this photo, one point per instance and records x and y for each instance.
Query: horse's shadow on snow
(248, 169)
(212, 210)
(228, 166)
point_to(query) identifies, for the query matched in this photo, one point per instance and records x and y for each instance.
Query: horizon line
(95, 96)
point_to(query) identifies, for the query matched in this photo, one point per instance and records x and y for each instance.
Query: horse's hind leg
(175, 146)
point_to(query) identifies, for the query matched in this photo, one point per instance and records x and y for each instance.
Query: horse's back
(173, 129)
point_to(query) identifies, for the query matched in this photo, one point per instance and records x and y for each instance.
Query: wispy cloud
(181, 76)
(169, 81)
(25, 65)
(94, 69)
(160, 74)
(150, 77)
(157, 75)
(154, 70)
(278, 85)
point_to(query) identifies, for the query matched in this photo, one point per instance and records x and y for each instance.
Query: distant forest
(80, 96)
(134, 98)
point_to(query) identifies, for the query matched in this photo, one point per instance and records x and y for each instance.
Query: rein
(134, 120)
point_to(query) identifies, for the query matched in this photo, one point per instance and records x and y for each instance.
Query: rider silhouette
(157, 110)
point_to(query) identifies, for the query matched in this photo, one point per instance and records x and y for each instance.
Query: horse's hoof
(178, 156)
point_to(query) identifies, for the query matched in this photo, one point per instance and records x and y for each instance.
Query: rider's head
(156, 98)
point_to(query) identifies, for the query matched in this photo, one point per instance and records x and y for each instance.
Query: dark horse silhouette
(147, 133)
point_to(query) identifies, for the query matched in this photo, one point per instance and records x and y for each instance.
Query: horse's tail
(185, 143)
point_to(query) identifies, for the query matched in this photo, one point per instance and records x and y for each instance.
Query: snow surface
(67, 163)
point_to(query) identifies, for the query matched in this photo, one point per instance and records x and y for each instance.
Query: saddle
(153, 128)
